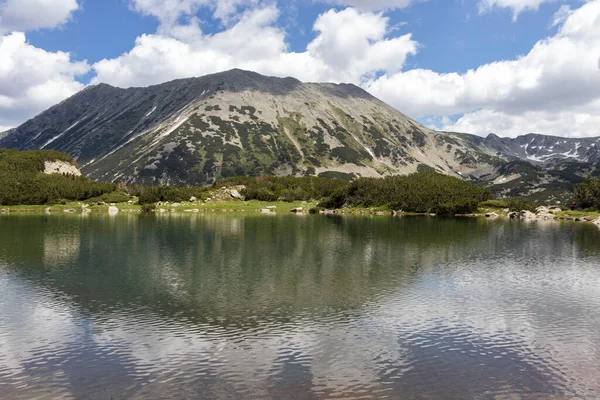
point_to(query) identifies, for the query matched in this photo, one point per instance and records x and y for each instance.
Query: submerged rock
(546, 216)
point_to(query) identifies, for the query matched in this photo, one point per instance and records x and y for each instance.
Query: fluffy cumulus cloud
(349, 46)
(25, 15)
(32, 79)
(554, 89)
(517, 6)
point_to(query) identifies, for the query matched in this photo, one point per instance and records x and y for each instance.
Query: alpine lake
(246, 306)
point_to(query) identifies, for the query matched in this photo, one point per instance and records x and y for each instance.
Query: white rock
(491, 215)
(193, 199)
(113, 210)
(527, 215)
(60, 167)
(236, 195)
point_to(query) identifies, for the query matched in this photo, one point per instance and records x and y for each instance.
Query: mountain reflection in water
(222, 306)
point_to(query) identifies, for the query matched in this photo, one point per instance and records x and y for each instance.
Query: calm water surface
(309, 307)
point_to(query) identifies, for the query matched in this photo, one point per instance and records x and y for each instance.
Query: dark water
(308, 307)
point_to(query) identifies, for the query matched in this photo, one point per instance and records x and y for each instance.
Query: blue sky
(479, 66)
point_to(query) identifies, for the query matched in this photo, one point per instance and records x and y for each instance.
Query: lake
(228, 306)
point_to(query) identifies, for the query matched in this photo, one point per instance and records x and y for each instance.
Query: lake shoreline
(304, 208)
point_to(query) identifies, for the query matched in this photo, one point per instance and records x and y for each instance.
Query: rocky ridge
(194, 131)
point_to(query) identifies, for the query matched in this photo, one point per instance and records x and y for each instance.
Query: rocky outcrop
(236, 195)
(61, 167)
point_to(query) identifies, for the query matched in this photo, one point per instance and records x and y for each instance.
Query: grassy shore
(255, 206)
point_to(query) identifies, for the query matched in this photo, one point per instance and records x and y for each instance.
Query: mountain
(193, 131)
(241, 123)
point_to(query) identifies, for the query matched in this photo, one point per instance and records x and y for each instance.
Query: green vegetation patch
(422, 192)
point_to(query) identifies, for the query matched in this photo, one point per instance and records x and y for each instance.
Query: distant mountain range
(193, 131)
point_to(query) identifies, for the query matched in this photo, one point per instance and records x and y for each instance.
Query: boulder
(86, 210)
(175, 205)
(298, 210)
(267, 210)
(47, 210)
(113, 210)
(195, 210)
(101, 203)
(193, 199)
(506, 210)
(70, 211)
(596, 221)
(541, 210)
(236, 195)
(527, 215)
(513, 215)
(491, 215)
(3, 211)
(161, 210)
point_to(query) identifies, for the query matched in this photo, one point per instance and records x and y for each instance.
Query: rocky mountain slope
(193, 131)
(241, 123)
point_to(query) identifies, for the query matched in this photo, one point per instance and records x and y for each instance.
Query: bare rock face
(61, 167)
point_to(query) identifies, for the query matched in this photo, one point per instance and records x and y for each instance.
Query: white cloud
(32, 79)
(374, 5)
(550, 90)
(350, 46)
(25, 15)
(517, 6)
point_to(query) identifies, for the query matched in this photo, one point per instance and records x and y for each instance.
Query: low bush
(422, 192)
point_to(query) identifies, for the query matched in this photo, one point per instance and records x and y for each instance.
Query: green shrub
(154, 194)
(22, 180)
(518, 204)
(587, 193)
(285, 188)
(494, 204)
(422, 192)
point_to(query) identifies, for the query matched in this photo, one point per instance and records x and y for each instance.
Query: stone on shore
(527, 215)
(491, 215)
(236, 195)
(298, 210)
(113, 210)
